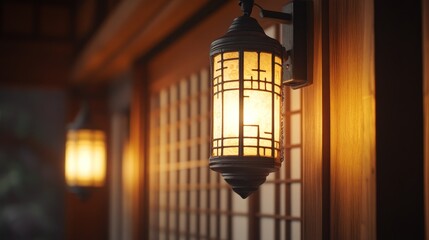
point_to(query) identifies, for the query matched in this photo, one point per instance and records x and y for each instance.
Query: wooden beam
(134, 28)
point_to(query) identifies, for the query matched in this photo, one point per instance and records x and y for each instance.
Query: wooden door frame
(399, 128)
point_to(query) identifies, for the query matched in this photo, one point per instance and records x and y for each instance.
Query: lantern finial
(246, 6)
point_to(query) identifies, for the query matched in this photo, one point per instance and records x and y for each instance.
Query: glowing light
(85, 158)
(260, 105)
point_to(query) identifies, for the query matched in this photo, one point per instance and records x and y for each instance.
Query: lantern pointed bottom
(243, 193)
(244, 175)
(244, 184)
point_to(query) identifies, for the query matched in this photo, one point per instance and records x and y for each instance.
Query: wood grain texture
(352, 119)
(312, 138)
(426, 104)
(139, 147)
(131, 31)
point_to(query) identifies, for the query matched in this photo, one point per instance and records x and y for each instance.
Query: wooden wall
(339, 124)
(425, 21)
(352, 119)
(315, 100)
(139, 144)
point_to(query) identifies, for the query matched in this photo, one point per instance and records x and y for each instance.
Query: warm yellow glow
(85, 158)
(129, 169)
(260, 89)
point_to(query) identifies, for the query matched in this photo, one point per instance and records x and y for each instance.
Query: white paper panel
(295, 199)
(193, 199)
(223, 199)
(182, 199)
(163, 199)
(162, 218)
(193, 152)
(224, 227)
(173, 199)
(295, 230)
(295, 129)
(239, 227)
(213, 226)
(193, 223)
(213, 202)
(173, 177)
(282, 229)
(204, 152)
(172, 220)
(295, 163)
(203, 199)
(283, 199)
(203, 225)
(267, 198)
(238, 204)
(182, 221)
(267, 229)
(203, 174)
(295, 99)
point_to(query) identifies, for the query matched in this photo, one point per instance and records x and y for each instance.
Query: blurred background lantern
(85, 164)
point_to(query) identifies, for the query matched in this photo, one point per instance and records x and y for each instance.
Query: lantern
(246, 77)
(85, 164)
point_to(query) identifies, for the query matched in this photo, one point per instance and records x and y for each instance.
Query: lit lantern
(246, 77)
(85, 164)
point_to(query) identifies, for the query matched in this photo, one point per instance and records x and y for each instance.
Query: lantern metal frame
(246, 173)
(298, 40)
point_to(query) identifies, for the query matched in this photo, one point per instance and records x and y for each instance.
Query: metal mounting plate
(297, 38)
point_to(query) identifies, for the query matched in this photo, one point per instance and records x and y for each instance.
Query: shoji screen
(279, 210)
(188, 200)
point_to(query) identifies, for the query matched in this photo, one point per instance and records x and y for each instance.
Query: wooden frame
(425, 21)
(399, 126)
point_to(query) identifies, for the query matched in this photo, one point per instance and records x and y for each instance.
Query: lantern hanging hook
(281, 17)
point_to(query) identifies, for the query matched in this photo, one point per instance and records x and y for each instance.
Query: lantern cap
(246, 34)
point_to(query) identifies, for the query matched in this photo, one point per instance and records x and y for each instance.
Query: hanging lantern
(85, 165)
(246, 72)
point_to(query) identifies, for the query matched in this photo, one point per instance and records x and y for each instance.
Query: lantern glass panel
(258, 81)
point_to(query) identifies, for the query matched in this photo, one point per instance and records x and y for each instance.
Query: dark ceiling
(39, 39)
